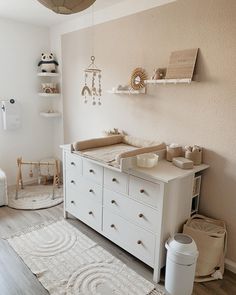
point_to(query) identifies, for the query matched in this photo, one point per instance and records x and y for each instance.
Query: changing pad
(107, 154)
(112, 149)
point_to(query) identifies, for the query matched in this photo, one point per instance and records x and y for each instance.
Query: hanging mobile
(95, 73)
(31, 171)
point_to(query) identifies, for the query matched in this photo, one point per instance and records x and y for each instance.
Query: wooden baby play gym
(42, 178)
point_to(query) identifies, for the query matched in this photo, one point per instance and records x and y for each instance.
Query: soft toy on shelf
(48, 63)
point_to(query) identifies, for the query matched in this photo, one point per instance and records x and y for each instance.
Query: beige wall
(201, 113)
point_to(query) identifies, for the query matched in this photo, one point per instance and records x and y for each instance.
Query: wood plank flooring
(16, 278)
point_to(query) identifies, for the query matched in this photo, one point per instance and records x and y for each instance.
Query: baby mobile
(92, 76)
(92, 73)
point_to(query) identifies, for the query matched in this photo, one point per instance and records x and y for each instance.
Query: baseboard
(230, 265)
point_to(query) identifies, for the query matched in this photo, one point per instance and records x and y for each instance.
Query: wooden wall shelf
(169, 81)
(130, 92)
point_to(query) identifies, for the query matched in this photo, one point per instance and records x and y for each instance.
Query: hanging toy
(39, 174)
(95, 91)
(48, 171)
(31, 171)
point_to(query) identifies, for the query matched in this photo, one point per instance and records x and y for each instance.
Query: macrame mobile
(92, 73)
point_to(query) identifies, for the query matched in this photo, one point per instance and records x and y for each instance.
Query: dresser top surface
(166, 171)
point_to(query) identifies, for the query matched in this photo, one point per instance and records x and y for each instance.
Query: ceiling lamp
(67, 6)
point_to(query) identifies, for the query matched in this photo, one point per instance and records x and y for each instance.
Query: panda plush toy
(48, 63)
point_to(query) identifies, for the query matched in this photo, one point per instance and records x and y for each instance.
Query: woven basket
(210, 236)
(195, 156)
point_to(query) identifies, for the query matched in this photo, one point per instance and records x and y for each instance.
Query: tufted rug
(67, 262)
(34, 197)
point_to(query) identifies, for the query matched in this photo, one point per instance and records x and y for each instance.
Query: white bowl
(148, 160)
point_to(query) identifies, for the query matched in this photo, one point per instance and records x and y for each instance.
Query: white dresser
(138, 209)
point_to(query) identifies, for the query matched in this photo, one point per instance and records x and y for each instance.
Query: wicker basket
(195, 156)
(210, 237)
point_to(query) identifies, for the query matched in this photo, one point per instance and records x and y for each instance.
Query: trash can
(181, 261)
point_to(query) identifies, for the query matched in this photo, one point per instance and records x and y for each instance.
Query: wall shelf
(169, 81)
(50, 115)
(130, 92)
(48, 74)
(48, 94)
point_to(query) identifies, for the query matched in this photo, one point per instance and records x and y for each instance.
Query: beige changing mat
(112, 149)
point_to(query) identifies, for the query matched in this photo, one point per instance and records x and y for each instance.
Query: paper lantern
(67, 6)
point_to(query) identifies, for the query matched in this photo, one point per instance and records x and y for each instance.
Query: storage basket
(172, 152)
(211, 237)
(195, 156)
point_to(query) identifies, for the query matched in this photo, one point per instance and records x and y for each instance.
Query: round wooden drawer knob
(91, 191)
(142, 191)
(139, 242)
(72, 202)
(114, 179)
(72, 181)
(113, 201)
(90, 212)
(91, 171)
(72, 163)
(140, 215)
(112, 225)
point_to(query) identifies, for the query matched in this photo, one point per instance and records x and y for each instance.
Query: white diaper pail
(181, 261)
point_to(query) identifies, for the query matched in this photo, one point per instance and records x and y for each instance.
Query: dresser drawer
(116, 181)
(138, 213)
(132, 238)
(91, 190)
(84, 209)
(93, 171)
(73, 166)
(84, 189)
(145, 191)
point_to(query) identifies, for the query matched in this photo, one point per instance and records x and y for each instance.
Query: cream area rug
(67, 262)
(34, 197)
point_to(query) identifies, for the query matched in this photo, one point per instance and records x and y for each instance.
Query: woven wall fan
(137, 79)
(67, 6)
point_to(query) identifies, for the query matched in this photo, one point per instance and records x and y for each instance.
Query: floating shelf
(168, 81)
(50, 115)
(48, 74)
(48, 94)
(143, 91)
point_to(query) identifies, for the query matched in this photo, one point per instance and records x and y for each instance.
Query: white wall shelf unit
(196, 194)
(129, 92)
(169, 81)
(50, 115)
(50, 112)
(48, 94)
(48, 74)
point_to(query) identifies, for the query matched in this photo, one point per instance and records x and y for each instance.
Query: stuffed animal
(48, 63)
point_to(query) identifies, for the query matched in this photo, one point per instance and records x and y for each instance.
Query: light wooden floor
(16, 278)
